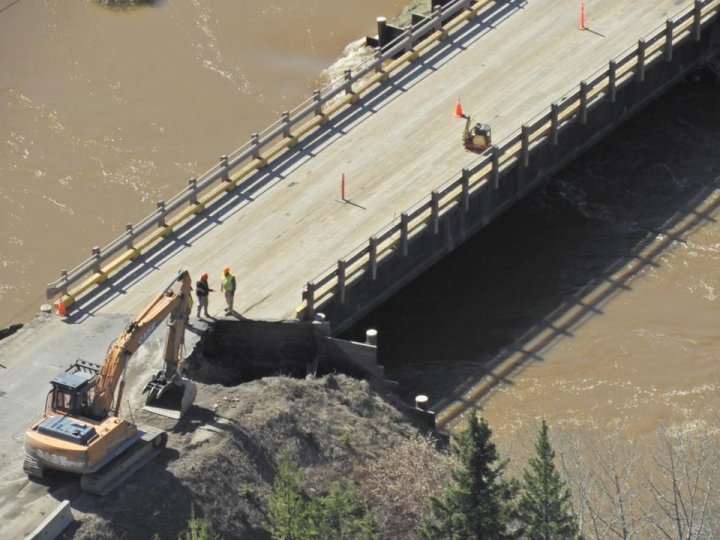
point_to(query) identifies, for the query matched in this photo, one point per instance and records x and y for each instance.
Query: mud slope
(223, 455)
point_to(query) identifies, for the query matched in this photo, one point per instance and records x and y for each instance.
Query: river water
(594, 303)
(105, 111)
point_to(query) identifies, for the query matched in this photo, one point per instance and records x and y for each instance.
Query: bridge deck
(394, 148)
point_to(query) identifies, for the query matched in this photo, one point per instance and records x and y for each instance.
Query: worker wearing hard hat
(202, 289)
(228, 286)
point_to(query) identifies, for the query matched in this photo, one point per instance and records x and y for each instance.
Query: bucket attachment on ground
(171, 398)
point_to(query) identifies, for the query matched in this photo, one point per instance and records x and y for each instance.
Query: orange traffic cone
(60, 307)
(582, 15)
(458, 110)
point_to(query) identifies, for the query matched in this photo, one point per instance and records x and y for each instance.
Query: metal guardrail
(572, 107)
(262, 146)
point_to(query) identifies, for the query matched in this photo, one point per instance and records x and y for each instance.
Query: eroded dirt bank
(223, 455)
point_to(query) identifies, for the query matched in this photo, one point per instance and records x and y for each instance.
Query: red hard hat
(226, 270)
(204, 276)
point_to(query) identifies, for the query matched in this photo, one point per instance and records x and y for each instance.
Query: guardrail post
(285, 118)
(162, 212)
(192, 188)
(435, 211)
(96, 256)
(640, 73)
(409, 45)
(378, 60)
(668, 40)
(554, 122)
(584, 90)
(341, 269)
(437, 16)
(495, 173)
(612, 80)
(465, 205)
(525, 146)
(64, 277)
(318, 102)
(130, 235)
(697, 20)
(348, 82)
(309, 295)
(226, 168)
(372, 255)
(255, 141)
(404, 233)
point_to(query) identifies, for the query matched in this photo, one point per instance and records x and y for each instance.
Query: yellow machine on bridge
(478, 138)
(81, 431)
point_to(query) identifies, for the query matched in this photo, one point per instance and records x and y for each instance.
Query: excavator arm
(172, 302)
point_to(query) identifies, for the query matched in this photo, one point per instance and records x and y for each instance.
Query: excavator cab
(69, 394)
(477, 138)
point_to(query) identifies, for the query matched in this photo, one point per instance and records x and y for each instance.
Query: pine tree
(477, 503)
(544, 508)
(292, 515)
(288, 511)
(198, 528)
(339, 515)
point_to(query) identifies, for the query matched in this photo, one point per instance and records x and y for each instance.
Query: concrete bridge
(273, 210)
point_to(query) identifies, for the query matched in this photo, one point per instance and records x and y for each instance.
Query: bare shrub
(398, 484)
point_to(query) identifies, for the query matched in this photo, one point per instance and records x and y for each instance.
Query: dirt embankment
(223, 455)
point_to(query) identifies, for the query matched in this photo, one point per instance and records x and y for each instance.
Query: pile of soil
(223, 455)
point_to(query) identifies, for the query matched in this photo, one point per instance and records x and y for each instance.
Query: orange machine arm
(173, 302)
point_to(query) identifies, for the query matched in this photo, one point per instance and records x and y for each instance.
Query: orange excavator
(81, 430)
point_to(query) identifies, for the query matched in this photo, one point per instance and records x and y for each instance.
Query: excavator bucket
(170, 398)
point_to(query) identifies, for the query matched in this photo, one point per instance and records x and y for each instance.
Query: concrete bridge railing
(262, 147)
(515, 151)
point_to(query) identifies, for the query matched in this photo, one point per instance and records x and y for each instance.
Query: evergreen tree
(198, 529)
(544, 508)
(477, 503)
(339, 515)
(292, 515)
(288, 509)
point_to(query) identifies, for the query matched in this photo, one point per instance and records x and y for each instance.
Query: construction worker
(228, 287)
(202, 289)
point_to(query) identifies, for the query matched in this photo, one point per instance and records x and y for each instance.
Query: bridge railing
(263, 146)
(602, 85)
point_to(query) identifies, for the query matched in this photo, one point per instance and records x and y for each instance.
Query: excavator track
(149, 445)
(33, 468)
